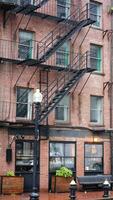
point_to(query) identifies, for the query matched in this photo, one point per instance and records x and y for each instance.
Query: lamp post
(37, 99)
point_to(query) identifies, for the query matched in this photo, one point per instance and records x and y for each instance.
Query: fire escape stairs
(63, 84)
(57, 37)
(28, 8)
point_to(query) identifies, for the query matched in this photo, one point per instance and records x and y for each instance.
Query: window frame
(63, 55)
(63, 156)
(92, 172)
(23, 158)
(98, 15)
(66, 7)
(29, 48)
(97, 58)
(66, 111)
(100, 110)
(28, 104)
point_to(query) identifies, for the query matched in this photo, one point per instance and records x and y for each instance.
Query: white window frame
(29, 105)
(65, 7)
(98, 15)
(66, 110)
(98, 110)
(63, 53)
(20, 45)
(97, 58)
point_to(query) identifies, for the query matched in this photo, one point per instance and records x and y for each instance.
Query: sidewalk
(57, 196)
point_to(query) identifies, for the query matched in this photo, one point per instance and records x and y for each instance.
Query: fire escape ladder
(26, 7)
(63, 31)
(62, 84)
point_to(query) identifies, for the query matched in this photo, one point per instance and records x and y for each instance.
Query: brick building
(64, 48)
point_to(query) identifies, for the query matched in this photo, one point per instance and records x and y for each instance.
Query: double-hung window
(93, 158)
(63, 8)
(96, 57)
(96, 109)
(25, 48)
(62, 110)
(63, 55)
(24, 103)
(96, 13)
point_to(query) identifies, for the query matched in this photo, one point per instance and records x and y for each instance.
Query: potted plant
(11, 183)
(61, 180)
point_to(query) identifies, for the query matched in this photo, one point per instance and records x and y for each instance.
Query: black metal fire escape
(62, 84)
(57, 37)
(71, 75)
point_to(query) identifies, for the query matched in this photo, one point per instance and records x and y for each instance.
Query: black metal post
(73, 189)
(106, 188)
(34, 195)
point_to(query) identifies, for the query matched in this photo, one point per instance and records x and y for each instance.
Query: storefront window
(93, 158)
(62, 154)
(24, 156)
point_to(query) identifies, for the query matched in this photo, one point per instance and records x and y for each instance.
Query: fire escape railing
(61, 85)
(62, 32)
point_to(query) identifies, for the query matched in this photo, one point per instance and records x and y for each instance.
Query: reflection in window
(24, 156)
(62, 154)
(63, 8)
(93, 158)
(63, 55)
(95, 12)
(62, 110)
(24, 103)
(96, 109)
(25, 48)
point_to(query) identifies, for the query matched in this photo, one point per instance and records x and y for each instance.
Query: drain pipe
(111, 94)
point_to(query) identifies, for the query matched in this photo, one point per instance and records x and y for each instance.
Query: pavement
(96, 195)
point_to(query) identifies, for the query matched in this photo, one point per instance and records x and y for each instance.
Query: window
(96, 57)
(63, 55)
(96, 109)
(93, 158)
(25, 49)
(24, 156)
(62, 154)
(95, 12)
(25, 2)
(24, 103)
(62, 110)
(63, 8)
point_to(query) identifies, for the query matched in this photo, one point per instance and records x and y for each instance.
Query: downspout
(111, 94)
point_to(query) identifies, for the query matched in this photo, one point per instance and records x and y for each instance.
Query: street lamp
(37, 99)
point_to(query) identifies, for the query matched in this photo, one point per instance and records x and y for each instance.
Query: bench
(94, 181)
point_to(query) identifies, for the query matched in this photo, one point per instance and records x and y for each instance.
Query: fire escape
(69, 76)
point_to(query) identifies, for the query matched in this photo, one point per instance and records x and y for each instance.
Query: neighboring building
(62, 47)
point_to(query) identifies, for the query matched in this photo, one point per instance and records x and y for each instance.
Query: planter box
(12, 184)
(60, 184)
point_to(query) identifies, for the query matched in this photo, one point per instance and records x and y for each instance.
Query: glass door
(24, 162)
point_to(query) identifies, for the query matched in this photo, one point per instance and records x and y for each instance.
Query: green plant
(10, 173)
(64, 171)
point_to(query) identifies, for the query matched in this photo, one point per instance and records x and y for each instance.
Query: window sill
(97, 28)
(92, 124)
(62, 123)
(20, 119)
(98, 73)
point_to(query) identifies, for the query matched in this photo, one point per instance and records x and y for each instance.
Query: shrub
(10, 173)
(64, 171)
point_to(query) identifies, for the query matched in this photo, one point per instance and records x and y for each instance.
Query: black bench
(94, 181)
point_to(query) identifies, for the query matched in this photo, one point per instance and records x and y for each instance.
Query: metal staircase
(63, 31)
(64, 82)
